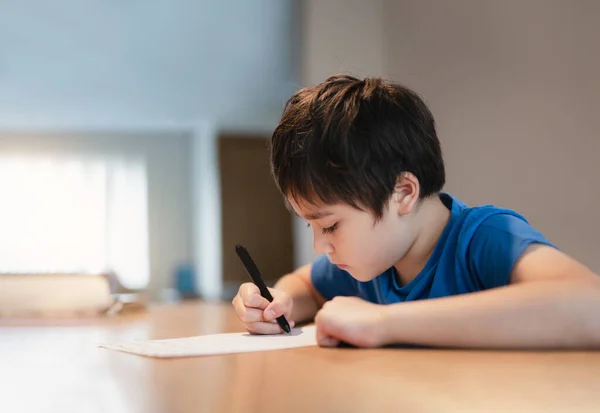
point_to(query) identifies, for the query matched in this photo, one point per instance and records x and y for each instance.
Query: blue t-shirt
(476, 251)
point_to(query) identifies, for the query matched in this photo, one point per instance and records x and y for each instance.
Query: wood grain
(58, 368)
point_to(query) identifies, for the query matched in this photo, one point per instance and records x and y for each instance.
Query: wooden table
(59, 369)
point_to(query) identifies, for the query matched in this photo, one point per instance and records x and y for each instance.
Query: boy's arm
(552, 302)
(307, 301)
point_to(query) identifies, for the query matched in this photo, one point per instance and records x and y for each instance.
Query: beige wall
(514, 87)
(341, 36)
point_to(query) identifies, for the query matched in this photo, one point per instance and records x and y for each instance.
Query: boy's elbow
(592, 338)
(582, 304)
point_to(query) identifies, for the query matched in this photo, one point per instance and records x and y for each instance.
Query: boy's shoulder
(468, 220)
(488, 240)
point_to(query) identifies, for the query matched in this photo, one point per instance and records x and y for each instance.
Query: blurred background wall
(170, 61)
(513, 86)
(158, 79)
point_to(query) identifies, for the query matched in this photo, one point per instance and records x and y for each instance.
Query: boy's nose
(321, 245)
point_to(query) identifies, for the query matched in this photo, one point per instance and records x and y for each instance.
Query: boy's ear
(406, 193)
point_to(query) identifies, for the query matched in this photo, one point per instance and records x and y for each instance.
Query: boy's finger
(273, 310)
(238, 305)
(256, 301)
(250, 315)
(290, 322)
(325, 340)
(251, 297)
(247, 290)
(262, 327)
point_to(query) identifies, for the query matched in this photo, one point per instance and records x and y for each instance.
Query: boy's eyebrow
(317, 215)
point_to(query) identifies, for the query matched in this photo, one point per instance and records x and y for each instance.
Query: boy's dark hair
(347, 140)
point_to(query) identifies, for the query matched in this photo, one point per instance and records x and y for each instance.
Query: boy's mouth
(341, 266)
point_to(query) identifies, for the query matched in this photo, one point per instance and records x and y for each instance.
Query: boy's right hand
(257, 313)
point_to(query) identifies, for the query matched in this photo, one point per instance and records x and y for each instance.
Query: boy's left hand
(351, 320)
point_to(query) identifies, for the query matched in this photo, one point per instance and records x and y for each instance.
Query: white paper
(218, 344)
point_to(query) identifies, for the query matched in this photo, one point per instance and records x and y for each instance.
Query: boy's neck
(432, 217)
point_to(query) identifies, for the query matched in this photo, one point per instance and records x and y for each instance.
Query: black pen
(254, 273)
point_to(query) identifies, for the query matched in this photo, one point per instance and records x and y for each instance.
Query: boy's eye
(330, 229)
(327, 230)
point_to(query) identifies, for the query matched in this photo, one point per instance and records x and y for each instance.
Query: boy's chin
(361, 276)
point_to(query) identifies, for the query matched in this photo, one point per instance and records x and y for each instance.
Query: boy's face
(354, 241)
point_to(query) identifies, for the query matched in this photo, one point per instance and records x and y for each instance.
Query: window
(75, 214)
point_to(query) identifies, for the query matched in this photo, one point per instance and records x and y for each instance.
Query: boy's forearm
(552, 314)
(307, 300)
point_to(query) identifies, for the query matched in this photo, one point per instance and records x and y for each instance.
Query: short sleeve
(496, 246)
(330, 281)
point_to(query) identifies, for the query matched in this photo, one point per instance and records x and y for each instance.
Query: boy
(403, 262)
